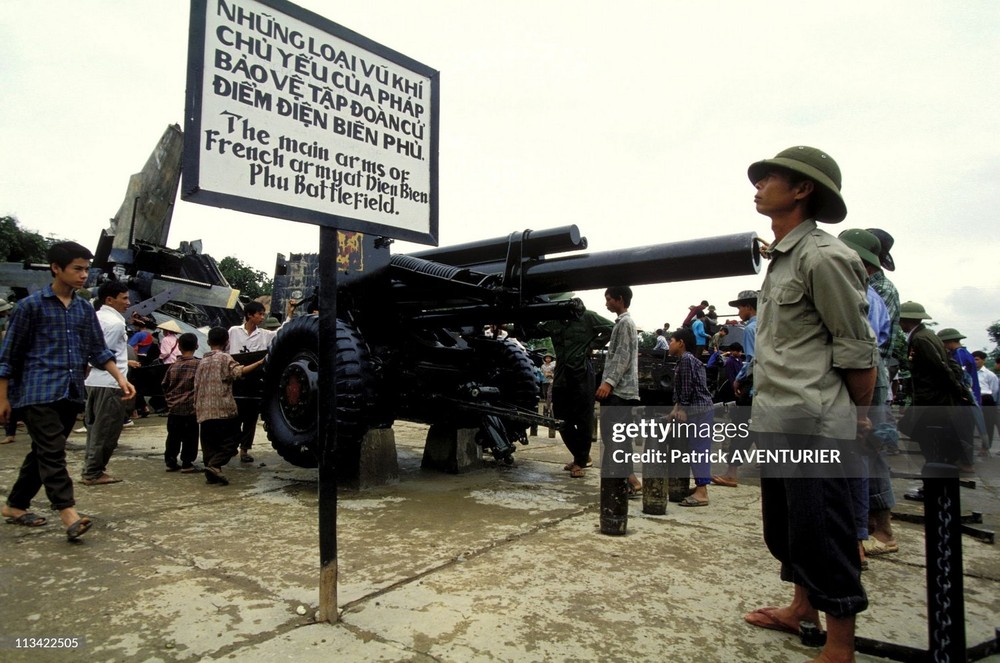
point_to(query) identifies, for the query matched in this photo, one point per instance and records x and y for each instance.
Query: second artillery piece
(410, 331)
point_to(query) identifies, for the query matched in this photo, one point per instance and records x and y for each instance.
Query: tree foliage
(20, 245)
(994, 332)
(250, 282)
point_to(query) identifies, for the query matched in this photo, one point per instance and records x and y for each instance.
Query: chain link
(942, 581)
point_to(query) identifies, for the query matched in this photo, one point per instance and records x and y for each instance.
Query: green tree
(20, 245)
(250, 282)
(994, 333)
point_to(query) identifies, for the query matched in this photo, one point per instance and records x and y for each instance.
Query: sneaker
(128, 422)
(173, 468)
(190, 469)
(246, 458)
(81, 429)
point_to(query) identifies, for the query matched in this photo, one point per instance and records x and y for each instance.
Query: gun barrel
(535, 243)
(706, 258)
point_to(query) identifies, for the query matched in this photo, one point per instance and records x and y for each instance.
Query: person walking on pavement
(105, 411)
(52, 335)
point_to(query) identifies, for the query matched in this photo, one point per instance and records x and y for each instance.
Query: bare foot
(10, 512)
(781, 619)
(68, 516)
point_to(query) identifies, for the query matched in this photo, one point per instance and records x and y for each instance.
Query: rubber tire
(295, 435)
(515, 376)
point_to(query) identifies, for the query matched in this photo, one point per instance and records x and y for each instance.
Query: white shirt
(116, 338)
(989, 383)
(240, 340)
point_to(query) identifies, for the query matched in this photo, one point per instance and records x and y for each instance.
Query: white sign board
(293, 116)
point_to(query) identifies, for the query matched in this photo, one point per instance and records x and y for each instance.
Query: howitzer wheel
(512, 371)
(290, 406)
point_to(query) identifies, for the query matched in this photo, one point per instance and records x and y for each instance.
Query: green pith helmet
(950, 334)
(913, 311)
(817, 166)
(865, 243)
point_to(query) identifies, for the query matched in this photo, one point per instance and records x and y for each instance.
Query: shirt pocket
(794, 312)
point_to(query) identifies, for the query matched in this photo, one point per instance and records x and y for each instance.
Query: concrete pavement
(503, 564)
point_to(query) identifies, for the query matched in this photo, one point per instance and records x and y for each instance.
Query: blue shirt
(749, 339)
(45, 352)
(878, 317)
(968, 364)
(700, 337)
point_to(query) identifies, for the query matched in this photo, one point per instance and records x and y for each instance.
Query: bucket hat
(817, 166)
(745, 297)
(950, 334)
(271, 323)
(913, 311)
(864, 243)
(885, 239)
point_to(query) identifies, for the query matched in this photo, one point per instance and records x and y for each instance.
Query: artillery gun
(410, 331)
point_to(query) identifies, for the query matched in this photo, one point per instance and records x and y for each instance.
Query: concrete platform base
(377, 464)
(452, 450)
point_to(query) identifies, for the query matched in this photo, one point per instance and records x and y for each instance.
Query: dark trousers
(247, 411)
(809, 527)
(182, 437)
(573, 402)
(219, 441)
(45, 465)
(740, 415)
(10, 428)
(989, 418)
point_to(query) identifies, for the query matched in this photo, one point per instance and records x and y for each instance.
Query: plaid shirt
(690, 386)
(45, 352)
(178, 386)
(213, 386)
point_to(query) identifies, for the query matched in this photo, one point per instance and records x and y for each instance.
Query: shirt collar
(794, 236)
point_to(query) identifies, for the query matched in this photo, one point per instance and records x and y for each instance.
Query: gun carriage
(410, 331)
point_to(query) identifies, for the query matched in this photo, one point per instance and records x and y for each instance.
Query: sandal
(691, 500)
(77, 529)
(576, 472)
(634, 492)
(11, 438)
(720, 480)
(27, 519)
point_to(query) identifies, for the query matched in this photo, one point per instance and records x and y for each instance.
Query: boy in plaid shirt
(182, 423)
(215, 406)
(51, 338)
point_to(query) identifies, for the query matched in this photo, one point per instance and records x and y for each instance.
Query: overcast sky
(634, 120)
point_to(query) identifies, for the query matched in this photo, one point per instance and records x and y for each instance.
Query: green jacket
(573, 341)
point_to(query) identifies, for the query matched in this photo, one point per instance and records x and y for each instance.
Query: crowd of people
(812, 369)
(62, 355)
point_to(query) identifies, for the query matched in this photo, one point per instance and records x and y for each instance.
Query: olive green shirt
(573, 340)
(811, 322)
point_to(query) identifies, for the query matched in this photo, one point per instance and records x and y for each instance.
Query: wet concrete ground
(503, 564)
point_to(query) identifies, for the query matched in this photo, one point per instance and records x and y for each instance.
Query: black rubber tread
(299, 339)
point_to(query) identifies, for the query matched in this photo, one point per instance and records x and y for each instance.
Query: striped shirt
(47, 347)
